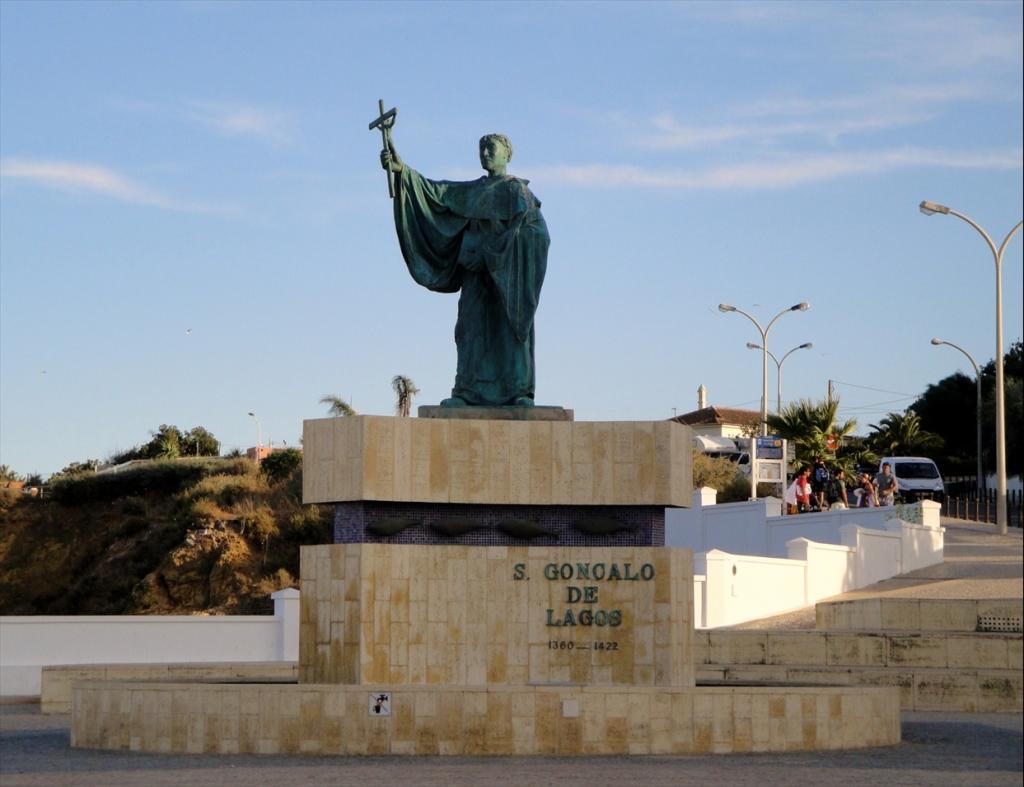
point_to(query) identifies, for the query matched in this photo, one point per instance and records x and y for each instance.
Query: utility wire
(880, 390)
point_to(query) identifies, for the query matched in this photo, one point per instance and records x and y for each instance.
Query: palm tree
(808, 426)
(405, 390)
(337, 406)
(898, 434)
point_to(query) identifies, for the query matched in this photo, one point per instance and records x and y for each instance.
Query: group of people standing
(816, 487)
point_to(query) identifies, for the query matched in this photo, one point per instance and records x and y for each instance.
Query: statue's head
(495, 153)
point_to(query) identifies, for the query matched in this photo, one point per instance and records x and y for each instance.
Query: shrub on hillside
(227, 490)
(280, 465)
(160, 476)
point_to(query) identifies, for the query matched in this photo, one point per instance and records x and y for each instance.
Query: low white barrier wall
(824, 528)
(921, 546)
(830, 568)
(876, 553)
(756, 527)
(735, 588)
(28, 643)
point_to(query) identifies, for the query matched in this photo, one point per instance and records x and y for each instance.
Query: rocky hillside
(181, 536)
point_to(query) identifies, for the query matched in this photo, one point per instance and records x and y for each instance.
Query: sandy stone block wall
(496, 462)
(57, 681)
(933, 671)
(319, 719)
(392, 613)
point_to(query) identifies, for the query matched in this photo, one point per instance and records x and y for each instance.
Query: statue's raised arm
(385, 121)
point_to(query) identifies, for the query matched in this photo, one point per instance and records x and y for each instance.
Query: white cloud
(241, 120)
(780, 172)
(91, 178)
(770, 120)
(671, 136)
(230, 119)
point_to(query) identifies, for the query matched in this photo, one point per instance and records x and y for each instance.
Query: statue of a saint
(486, 239)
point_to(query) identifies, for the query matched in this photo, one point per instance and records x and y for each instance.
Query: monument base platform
(229, 718)
(540, 412)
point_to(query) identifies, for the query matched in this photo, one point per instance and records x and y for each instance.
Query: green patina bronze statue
(487, 240)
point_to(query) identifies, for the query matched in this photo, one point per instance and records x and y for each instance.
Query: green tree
(901, 435)
(78, 468)
(808, 427)
(337, 406)
(948, 408)
(166, 443)
(199, 441)
(716, 472)
(1014, 408)
(405, 389)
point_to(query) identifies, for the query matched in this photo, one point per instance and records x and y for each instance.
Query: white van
(725, 447)
(917, 476)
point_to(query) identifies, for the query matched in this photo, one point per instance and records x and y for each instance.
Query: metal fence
(963, 502)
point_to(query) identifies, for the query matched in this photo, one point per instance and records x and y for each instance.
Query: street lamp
(778, 368)
(259, 438)
(799, 307)
(930, 209)
(977, 377)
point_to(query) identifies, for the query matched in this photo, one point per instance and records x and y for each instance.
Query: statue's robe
(487, 240)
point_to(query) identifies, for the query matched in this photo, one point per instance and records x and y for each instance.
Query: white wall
(830, 568)
(877, 553)
(699, 610)
(735, 588)
(756, 527)
(921, 545)
(743, 587)
(28, 643)
(732, 527)
(824, 528)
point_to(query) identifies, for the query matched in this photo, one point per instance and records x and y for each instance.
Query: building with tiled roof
(712, 421)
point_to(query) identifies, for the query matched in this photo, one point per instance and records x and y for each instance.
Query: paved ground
(937, 749)
(979, 563)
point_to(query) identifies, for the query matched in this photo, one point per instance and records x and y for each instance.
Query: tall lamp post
(930, 209)
(799, 307)
(778, 368)
(977, 377)
(259, 439)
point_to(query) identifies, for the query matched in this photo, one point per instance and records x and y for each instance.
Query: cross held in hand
(384, 122)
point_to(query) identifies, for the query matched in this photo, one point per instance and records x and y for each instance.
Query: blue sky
(194, 224)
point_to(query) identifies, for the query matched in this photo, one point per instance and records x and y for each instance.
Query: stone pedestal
(455, 615)
(428, 643)
(497, 482)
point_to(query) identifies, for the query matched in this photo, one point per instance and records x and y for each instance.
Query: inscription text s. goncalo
(598, 572)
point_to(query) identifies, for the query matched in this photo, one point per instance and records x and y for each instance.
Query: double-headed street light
(977, 377)
(778, 368)
(799, 307)
(930, 209)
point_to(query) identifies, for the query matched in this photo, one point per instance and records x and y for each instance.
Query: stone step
(921, 614)
(904, 649)
(921, 688)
